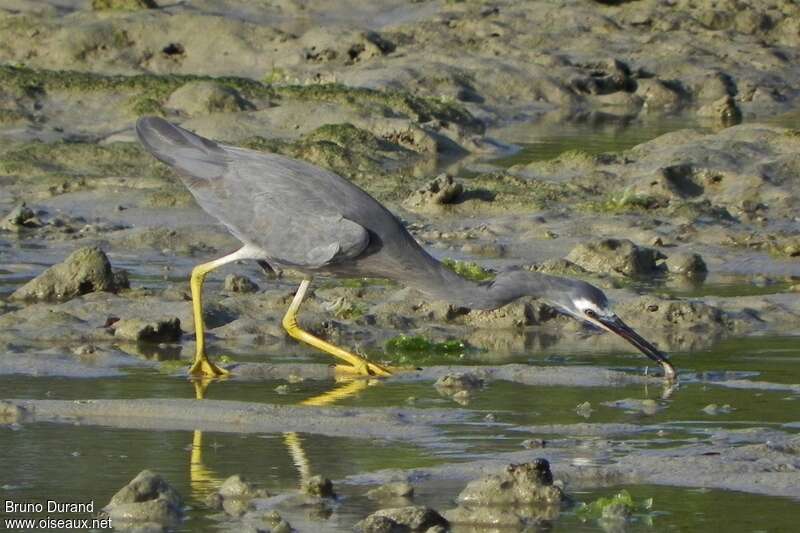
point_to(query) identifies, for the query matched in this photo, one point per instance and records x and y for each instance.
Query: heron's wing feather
(291, 209)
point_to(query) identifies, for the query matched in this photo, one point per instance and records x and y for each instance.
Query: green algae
(623, 202)
(79, 159)
(621, 503)
(417, 350)
(150, 88)
(419, 108)
(468, 269)
(342, 148)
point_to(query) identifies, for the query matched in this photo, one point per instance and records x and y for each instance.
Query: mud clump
(402, 519)
(440, 191)
(85, 270)
(521, 495)
(235, 496)
(240, 284)
(617, 256)
(147, 502)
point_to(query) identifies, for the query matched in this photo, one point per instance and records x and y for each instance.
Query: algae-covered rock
(84, 270)
(409, 518)
(134, 329)
(619, 256)
(147, 499)
(238, 283)
(440, 191)
(204, 97)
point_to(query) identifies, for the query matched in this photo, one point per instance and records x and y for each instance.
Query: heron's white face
(591, 312)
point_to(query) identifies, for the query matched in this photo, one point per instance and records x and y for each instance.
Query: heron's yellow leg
(202, 367)
(356, 365)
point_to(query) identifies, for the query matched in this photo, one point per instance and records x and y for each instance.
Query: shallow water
(59, 461)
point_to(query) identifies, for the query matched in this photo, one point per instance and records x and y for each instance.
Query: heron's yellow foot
(364, 369)
(203, 368)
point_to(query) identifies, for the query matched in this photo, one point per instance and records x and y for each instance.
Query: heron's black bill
(619, 327)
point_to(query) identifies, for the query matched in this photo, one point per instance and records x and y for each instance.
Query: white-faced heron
(292, 214)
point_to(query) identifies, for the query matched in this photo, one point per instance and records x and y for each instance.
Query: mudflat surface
(626, 145)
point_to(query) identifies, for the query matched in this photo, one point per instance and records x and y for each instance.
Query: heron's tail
(180, 148)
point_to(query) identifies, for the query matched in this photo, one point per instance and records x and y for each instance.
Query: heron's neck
(444, 284)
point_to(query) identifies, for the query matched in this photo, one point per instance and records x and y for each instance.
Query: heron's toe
(204, 368)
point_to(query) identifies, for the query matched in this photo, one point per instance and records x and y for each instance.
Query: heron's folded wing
(291, 209)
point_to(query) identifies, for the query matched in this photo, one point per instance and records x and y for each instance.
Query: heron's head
(587, 303)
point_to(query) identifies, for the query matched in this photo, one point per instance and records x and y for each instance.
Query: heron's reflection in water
(204, 481)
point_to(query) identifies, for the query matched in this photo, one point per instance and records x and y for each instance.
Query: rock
(653, 313)
(398, 489)
(658, 95)
(134, 329)
(319, 486)
(687, 264)
(440, 191)
(620, 256)
(459, 381)
(235, 497)
(525, 483)
(237, 283)
(521, 495)
(20, 217)
(85, 270)
(410, 518)
(380, 524)
(204, 97)
(148, 498)
(123, 5)
(725, 111)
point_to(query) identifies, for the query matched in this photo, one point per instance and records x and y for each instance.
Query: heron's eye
(590, 313)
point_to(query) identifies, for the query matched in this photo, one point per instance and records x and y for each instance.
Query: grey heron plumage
(290, 213)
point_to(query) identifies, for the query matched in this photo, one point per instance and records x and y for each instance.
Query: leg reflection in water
(204, 481)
